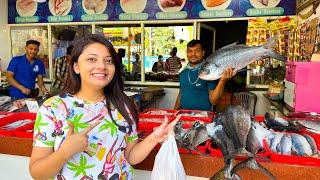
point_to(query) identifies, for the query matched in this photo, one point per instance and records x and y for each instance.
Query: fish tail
(272, 53)
(244, 152)
(252, 164)
(271, 42)
(276, 55)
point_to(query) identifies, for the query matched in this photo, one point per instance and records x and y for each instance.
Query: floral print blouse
(104, 158)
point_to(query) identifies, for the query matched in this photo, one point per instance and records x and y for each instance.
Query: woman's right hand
(76, 142)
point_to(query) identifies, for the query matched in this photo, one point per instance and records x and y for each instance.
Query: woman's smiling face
(95, 66)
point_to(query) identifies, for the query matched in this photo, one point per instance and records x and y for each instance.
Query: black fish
(279, 124)
(253, 144)
(200, 135)
(190, 138)
(236, 123)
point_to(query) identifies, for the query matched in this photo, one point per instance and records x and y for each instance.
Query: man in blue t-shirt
(23, 71)
(195, 93)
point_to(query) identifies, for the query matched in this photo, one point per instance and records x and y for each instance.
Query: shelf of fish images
(282, 140)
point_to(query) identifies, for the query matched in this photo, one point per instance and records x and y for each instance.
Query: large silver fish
(237, 57)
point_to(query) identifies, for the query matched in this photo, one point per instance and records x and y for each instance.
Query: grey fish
(237, 57)
(228, 150)
(256, 136)
(315, 125)
(253, 145)
(300, 145)
(251, 163)
(182, 136)
(312, 144)
(236, 123)
(277, 121)
(275, 141)
(232, 132)
(200, 136)
(285, 144)
(219, 136)
(190, 138)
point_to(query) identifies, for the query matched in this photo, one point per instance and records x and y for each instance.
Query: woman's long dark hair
(113, 91)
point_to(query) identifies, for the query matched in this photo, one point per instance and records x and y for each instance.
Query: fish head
(209, 72)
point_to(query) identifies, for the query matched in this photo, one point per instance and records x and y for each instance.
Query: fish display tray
(157, 111)
(149, 120)
(292, 159)
(23, 131)
(17, 141)
(190, 116)
(15, 133)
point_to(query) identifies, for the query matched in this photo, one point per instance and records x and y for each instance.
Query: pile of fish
(291, 142)
(237, 134)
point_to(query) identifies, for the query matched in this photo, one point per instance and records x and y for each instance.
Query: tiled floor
(16, 168)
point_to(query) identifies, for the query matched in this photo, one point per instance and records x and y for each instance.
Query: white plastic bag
(168, 165)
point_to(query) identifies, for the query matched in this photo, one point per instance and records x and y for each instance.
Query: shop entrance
(207, 34)
(216, 34)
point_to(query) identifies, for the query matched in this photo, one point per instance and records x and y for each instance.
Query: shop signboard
(54, 11)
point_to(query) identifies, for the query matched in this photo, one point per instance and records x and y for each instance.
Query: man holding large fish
(196, 93)
(199, 88)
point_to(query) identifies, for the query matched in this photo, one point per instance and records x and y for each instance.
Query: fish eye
(206, 71)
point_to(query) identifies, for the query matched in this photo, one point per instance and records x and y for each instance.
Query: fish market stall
(201, 155)
(284, 148)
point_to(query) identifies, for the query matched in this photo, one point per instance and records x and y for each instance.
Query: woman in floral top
(89, 131)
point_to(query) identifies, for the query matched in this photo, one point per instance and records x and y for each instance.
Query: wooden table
(206, 166)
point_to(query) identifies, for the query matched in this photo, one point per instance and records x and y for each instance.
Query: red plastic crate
(186, 115)
(13, 133)
(291, 159)
(315, 136)
(6, 133)
(201, 147)
(214, 151)
(188, 120)
(149, 126)
(170, 112)
(12, 117)
(25, 131)
(144, 125)
(259, 118)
